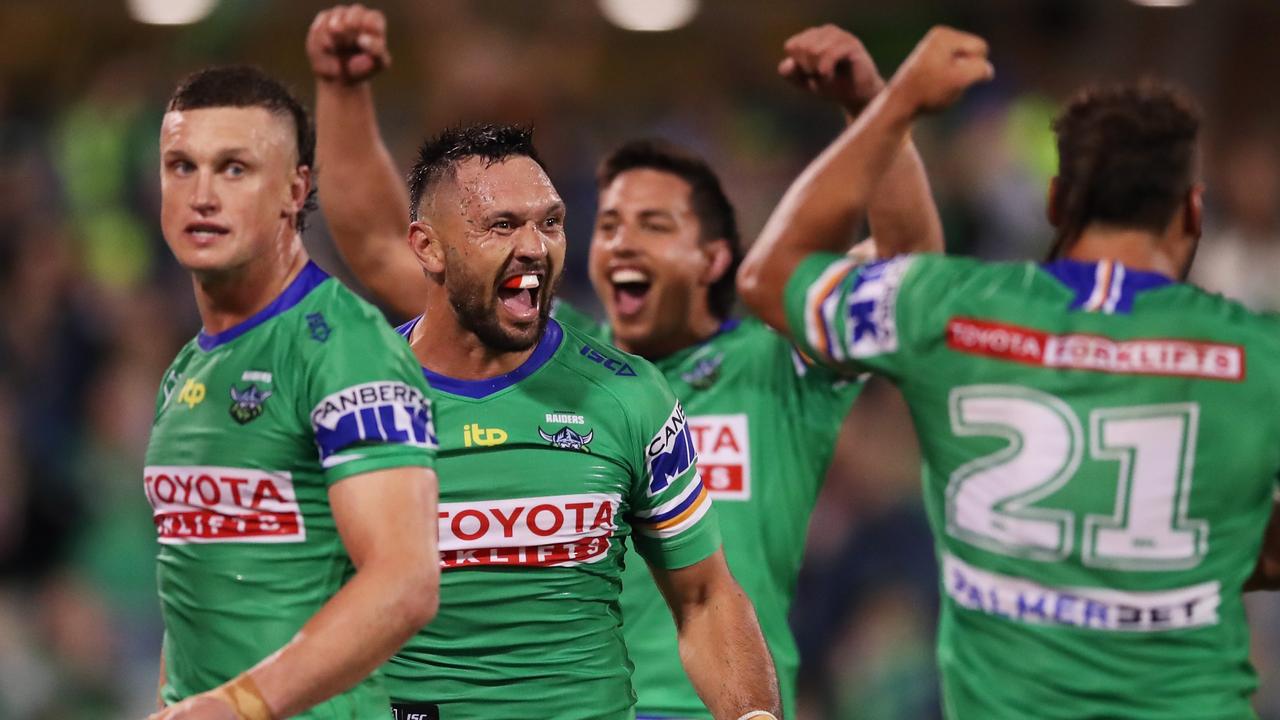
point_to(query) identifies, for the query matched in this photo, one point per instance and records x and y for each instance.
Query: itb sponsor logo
(391, 412)
(724, 454)
(670, 453)
(558, 530)
(204, 504)
(473, 434)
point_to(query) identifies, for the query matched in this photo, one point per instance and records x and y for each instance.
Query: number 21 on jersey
(991, 500)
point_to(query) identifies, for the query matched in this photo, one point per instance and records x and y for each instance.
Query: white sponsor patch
(379, 412)
(1022, 600)
(724, 454)
(206, 504)
(556, 530)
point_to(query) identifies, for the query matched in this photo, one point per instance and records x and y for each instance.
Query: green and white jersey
(253, 426)
(764, 425)
(1101, 452)
(545, 472)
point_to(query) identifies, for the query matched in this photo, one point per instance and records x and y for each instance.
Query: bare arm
(721, 646)
(387, 520)
(831, 63)
(822, 207)
(363, 195)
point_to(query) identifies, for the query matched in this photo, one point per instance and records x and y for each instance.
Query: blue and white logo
(670, 453)
(871, 324)
(379, 412)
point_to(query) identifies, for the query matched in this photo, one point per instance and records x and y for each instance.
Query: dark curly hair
(248, 86)
(1126, 157)
(441, 154)
(711, 205)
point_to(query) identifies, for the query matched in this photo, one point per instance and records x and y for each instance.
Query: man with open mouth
(664, 252)
(554, 446)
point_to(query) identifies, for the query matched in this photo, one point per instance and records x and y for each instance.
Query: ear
(425, 243)
(299, 189)
(719, 258)
(1193, 211)
(1052, 205)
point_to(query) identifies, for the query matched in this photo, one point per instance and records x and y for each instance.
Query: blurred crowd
(93, 307)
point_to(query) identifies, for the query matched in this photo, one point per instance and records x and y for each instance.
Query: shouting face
(493, 234)
(230, 186)
(649, 262)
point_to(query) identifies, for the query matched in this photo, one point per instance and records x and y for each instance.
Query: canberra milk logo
(871, 328)
(671, 452)
(383, 411)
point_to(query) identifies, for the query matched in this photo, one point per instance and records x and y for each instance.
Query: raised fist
(943, 65)
(348, 44)
(830, 62)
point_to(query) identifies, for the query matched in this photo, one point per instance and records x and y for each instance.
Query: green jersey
(545, 472)
(764, 424)
(253, 426)
(1096, 498)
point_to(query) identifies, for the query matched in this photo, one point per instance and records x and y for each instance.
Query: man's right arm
(1266, 574)
(365, 201)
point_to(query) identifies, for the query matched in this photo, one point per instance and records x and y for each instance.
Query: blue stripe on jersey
(547, 346)
(308, 279)
(1082, 278)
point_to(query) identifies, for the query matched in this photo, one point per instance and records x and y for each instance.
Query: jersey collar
(1105, 286)
(476, 389)
(307, 280)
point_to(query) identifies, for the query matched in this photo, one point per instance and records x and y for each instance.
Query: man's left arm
(832, 63)
(721, 646)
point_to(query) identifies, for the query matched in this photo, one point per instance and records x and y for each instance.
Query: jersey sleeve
(368, 404)
(846, 315)
(675, 525)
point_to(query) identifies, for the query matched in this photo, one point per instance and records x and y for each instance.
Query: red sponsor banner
(724, 454)
(546, 531)
(1077, 351)
(195, 504)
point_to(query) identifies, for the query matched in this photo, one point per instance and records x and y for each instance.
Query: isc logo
(617, 367)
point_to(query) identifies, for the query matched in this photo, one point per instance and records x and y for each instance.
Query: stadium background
(93, 307)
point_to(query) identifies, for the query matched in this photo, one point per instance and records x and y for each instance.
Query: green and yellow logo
(473, 434)
(192, 393)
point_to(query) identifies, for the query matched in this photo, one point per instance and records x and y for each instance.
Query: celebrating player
(1095, 503)
(663, 257)
(259, 533)
(555, 446)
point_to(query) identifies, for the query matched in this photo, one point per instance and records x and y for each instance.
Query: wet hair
(1126, 157)
(715, 213)
(439, 156)
(245, 86)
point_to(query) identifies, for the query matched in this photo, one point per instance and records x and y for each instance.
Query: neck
(1136, 249)
(656, 346)
(443, 346)
(227, 298)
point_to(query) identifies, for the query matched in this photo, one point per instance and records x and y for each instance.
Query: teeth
(522, 282)
(628, 276)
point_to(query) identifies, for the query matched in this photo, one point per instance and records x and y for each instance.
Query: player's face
(649, 263)
(504, 243)
(229, 185)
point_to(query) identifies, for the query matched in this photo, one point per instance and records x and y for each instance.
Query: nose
(204, 197)
(531, 243)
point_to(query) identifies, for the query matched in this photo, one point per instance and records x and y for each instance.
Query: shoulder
(633, 382)
(332, 318)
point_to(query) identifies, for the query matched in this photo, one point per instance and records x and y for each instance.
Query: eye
(554, 222)
(657, 227)
(503, 225)
(181, 167)
(235, 169)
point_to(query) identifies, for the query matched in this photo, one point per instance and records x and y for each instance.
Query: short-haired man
(289, 465)
(555, 448)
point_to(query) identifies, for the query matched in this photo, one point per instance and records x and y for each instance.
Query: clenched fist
(944, 64)
(348, 44)
(831, 63)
